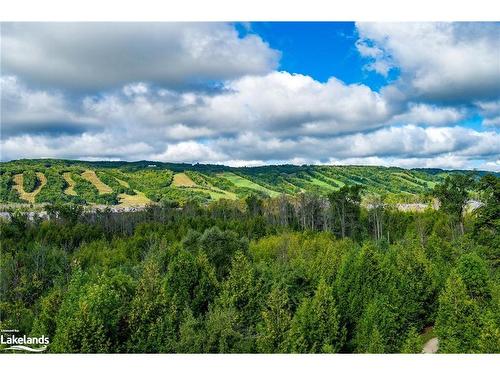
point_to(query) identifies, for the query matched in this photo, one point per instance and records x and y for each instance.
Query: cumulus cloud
(91, 56)
(407, 141)
(425, 114)
(443, 62)
(24, 110)
(490, 111)
(410, 146)
(278, 103)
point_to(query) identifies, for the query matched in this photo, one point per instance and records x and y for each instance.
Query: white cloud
(274, 118)
(87, 56)
(189, 151)
(438, 61)
(407, 141)
(490, 111)
(425, 114)
(27, 110)
(278, 103)
(407, 146)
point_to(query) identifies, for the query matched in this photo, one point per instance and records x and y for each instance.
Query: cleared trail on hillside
(91, 177)
(18, 185)
(182, 180)
(70, 190)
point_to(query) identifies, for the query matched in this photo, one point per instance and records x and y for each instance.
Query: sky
(413, 95)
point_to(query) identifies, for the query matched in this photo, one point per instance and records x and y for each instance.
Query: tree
(357, 282)
(412, 343)
(190, 334)
(376, 328)
(92, 317)
(474, 273)
(242, 290)
(345, 208)
(220, 248)
(377, 215)
(273, 329)
(316, 326)
(254, 204)
(457, 322)
(148, 306)
(453, 194)
(488, 215)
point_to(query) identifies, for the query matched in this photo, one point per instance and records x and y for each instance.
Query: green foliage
(113, 183)
(30, 180)
(191, 281)
(246, 276)
(89, 193)
(316, 325)
(276, 320)
(7, 193)
(376, 327)
(488, 215)
(412, 343)
(345, 204)
(474, 273)
(92, 314)
(220, 248)
(215, 182)
(453, 194)
(53, 191)
(458, 318)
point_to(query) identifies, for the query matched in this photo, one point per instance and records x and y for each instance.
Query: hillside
(144, 182)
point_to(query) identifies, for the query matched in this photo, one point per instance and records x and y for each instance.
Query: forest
(309, 273)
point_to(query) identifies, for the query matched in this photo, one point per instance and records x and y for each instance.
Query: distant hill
(144, 182)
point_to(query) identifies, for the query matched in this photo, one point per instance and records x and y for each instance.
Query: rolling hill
(144, 182)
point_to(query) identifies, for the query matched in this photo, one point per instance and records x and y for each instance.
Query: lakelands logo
(23, 343)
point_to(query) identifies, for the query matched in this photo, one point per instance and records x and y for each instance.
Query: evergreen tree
(316, 326)
(453, 194)
(412, 343)
(273, 329)
(457, 322)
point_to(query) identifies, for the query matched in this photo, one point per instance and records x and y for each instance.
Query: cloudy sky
(411, 95)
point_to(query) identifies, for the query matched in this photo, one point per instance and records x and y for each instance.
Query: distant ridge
(143, 182)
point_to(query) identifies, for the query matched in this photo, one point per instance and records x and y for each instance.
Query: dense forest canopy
(311, 273)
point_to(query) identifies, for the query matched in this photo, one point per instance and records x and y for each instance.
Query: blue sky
(318, 49)
(404, 94)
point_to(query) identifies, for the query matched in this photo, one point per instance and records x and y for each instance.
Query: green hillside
(144, 182)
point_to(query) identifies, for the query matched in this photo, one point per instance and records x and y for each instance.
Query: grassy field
(29, 197)
(91, 177)
(243, 182)
(323, 184)
(333, 180)
(182, 180)
(70, 190)
(123, 183)
(139, 199)
(217, 194)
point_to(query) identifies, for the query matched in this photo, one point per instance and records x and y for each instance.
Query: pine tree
(412, 343)
(273, 329)
(316, 326)
(457, 323)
